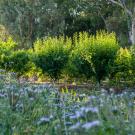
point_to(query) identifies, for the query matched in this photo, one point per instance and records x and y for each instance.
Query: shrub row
(85, 56)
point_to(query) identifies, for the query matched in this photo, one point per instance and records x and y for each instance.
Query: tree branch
(122, 5)
(117, 3)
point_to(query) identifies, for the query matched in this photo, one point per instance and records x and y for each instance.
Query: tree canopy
(28, 20)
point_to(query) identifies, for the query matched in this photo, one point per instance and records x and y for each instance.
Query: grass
(27, 109)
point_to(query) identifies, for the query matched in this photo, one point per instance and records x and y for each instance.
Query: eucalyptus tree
(128, 7)
(111, 16)
(31, 19)
(80, 15)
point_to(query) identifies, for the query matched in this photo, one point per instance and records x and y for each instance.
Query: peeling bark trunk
(132, 33)
(131, 14)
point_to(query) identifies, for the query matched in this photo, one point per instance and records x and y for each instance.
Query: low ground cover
(28, 109)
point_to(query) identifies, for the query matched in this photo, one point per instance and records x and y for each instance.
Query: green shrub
(98, 52)
(6, 48)
(132, 50)
(8, 44)
(122, 66)
(19, 62)
(103, 50)
(52, 55)
(78, 65)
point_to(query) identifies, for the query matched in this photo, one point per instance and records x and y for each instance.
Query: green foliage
(6, 48)
(41, 109)
(7, 45)
(52, 55)
(122, 66)
(119, 24)
(78, 65)
(132, 51)
(19, 62)
(28, 20)
(103, 49)
(98, 52)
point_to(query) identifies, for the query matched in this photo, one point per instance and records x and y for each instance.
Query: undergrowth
(27, 109)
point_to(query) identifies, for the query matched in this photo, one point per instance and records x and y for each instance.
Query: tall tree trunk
(132, 35)
(131, 13)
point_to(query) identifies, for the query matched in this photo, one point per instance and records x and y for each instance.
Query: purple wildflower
(77, 125)
(91, 124)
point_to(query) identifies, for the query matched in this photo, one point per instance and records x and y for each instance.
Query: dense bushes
(122, 66)
(85, 56)
(98, 52)
(132, 51)
(103, 51)
(13, 60)
(52, 55)
(6, 48)
(19, 62)
(78, 65)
